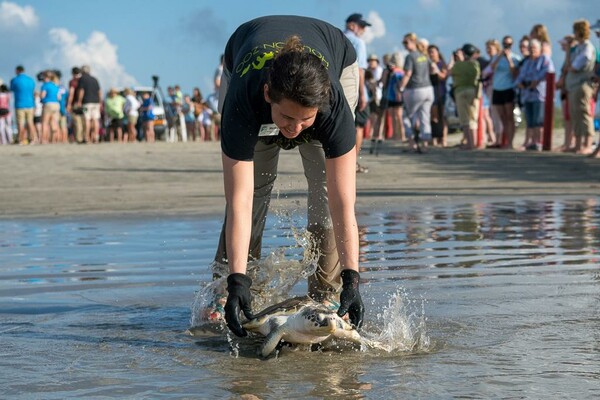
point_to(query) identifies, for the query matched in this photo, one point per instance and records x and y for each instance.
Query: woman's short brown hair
(581, 29)
(493, 43)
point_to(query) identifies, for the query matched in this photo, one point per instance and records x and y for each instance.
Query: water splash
(403, 328)
(272, 279)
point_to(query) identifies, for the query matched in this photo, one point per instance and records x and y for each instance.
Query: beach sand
(176, 179)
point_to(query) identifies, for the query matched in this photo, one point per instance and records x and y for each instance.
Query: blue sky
(128, 41)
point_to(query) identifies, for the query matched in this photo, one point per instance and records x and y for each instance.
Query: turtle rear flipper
(272, 341)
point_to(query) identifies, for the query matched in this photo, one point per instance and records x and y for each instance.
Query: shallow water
(487, 300)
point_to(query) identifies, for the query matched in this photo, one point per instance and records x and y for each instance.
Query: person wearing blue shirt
(147, 115)
(51, 108)
(532, 81)
(505, 66)
(63, 93)
(23, 87)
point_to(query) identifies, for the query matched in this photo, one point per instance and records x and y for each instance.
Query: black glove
(350, 300)
(238, 287)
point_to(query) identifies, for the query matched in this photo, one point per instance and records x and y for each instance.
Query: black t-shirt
(247, 58)
(91, 89)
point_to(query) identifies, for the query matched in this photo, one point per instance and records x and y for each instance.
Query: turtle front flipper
(272, 341)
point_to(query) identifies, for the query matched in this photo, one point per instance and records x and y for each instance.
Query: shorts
(24, 115)
(467, 107)
(132, 119)
(37, 119)
(362, 117)
(534, 114)
(501, 97)
(395, 104)
(115, 123)
(51, 109)
(91, 111)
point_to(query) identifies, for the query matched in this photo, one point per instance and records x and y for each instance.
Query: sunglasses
(405, 42)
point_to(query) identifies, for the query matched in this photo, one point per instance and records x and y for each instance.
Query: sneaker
(215, 311)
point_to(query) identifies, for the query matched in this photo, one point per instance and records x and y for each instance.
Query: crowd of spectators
(409, 92)
(78, 111)
(404, 97)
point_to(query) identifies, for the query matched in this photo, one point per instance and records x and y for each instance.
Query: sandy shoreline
(165, 179)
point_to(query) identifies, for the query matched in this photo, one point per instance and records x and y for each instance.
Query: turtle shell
(286, 307)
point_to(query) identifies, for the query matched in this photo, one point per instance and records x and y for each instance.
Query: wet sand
(165, 179)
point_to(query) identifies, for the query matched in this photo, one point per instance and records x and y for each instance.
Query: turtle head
(321, 321)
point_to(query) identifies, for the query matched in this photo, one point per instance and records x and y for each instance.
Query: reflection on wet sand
(483, 297)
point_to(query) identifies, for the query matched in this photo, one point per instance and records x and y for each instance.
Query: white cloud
(377, 28)
(13, 16)
(98, 52)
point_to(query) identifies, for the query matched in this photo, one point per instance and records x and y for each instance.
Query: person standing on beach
(438, 76)
(147, 117)
(417, 91)
(50, 99)
(131, 112)
(6, 135)
(23, 88)
(63, 128)
(77, 119)
(532, 82)
(596, 29)
(466, 74)
(580, 86)
(89, 97)
(505, 67)
(355, 28)
(288, 82)
(114, 106)
(567, 45)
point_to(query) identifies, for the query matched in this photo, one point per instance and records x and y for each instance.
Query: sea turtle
(300, 320)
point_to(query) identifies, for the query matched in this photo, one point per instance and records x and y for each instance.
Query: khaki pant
(326, 281)
(580, 108)
(24, 117)
(78, 121)
(467, 107)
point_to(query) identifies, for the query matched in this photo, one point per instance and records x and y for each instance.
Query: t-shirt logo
(260, 62)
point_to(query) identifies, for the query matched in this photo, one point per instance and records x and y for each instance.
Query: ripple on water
(466, 300)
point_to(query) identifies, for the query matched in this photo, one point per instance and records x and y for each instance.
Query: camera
(40, 76)
(155, 80)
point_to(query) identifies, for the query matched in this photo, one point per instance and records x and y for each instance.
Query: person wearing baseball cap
(357, 19)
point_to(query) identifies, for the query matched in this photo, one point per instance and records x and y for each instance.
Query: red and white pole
(549, 112)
